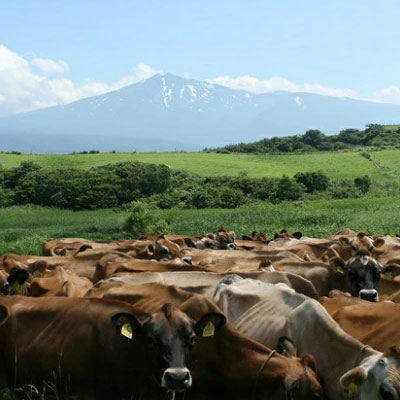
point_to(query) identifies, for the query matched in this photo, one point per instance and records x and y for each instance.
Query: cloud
(49, 66)
(273, 84)
(390, 94)
(23, 89)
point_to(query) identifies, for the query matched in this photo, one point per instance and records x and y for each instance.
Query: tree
(363, 183)
(313, 181)
(313, 137)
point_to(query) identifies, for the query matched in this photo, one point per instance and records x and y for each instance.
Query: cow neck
(238, 360)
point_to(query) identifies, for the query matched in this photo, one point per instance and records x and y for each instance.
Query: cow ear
(189, 242)
(128, 324)
(19, 275)
(309, 361)
(232, 233)
(379, 242)
(297, 235)
(390, 271)
(344, 241)
(286, 347)
(338, 264)
(209, 323)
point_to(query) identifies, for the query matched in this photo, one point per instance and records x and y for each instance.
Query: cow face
(224, 240)
(361, 242)
(376, 378)
(165, 250)
(9, 283)
(171, 336)
(363, 275)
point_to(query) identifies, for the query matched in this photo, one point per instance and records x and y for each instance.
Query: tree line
(314, 140)
(117, 185)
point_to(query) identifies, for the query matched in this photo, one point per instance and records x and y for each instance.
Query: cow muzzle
(369, 295)
(176, 379)
(231, 246)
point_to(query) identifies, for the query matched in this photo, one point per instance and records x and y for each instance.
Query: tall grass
(24, 229)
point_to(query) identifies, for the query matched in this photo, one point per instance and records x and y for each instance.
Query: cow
(59, 282)
(12, 282)
(232, 366)
(94, 347)
(374, 324)
(203, 283)
(266, 312)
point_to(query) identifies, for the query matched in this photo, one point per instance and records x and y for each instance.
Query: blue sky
(341, 47)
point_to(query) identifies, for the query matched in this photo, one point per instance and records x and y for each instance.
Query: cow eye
(371, 247)
(354, 247)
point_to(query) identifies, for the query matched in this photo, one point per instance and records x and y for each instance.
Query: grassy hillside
(23, 229)
(334, 164)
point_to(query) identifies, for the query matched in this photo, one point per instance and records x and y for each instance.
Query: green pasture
(23, 229)
(334, 164)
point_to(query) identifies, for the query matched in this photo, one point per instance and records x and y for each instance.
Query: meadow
(24, 229)
(348, 164)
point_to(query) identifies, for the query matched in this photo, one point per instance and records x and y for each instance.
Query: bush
(313, 181)
(363, 183)
(289, 189)
(344, 189)
(144, 219)
(7, 197)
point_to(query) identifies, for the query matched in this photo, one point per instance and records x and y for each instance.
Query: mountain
(167, 112)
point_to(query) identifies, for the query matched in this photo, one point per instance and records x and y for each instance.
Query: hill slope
(167, 112)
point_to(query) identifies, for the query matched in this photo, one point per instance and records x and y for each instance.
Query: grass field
(334, 164)
(23, 229)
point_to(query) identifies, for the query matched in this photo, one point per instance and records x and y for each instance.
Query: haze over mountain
(167, 112)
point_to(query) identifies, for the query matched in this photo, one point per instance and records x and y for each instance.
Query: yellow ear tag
(340, 270)
(353, 390)
(36, 274)
(16, 287)
(209, 329)
(126, 330)
(388, 275)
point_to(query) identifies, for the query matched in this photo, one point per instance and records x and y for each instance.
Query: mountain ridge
(167, 112)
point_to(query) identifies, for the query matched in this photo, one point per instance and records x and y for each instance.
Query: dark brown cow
(232, 366)
(95, 347)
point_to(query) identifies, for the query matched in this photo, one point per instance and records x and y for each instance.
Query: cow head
(284, 234)
(10, 283)
(166, 250)
(377, 377)
(362, 242)
(225, 240)
(170, 336)
(301, 381)
(363, 274)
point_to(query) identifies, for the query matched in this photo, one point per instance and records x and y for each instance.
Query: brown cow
(232, 366)
(59, 282)
(95, 347)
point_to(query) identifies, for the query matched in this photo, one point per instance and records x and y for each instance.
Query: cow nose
(231, 246)
(369, 295)
(176, 379)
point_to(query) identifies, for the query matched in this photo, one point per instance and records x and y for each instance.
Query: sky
(54, 52)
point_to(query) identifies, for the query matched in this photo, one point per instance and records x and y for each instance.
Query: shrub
(313, 181)
(363, 183)
(144, 219)
(344, 189)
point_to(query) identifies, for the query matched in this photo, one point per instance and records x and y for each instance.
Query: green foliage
(315, 140)
(313, 181)
(344, 189)
(363, 183)
(144, 219)
(289, 189)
